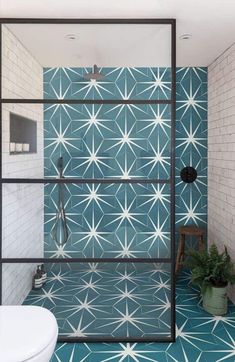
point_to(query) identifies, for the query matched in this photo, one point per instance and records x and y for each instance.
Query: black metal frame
(171, 181)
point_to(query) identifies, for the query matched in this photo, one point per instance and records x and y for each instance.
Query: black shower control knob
(188, 174)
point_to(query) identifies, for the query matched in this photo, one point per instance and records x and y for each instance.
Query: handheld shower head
(94, 75)
(60, 165)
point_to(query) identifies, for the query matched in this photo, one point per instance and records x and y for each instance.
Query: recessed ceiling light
(77, 56)
(185, 36)
(71, 37)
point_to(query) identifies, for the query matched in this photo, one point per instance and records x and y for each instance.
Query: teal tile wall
(124, 141)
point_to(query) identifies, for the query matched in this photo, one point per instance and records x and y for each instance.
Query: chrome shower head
(94, 75)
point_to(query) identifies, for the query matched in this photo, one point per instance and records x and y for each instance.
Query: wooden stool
(190, 231)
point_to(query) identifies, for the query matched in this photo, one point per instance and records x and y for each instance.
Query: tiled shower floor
(200, 336)
(118, 300)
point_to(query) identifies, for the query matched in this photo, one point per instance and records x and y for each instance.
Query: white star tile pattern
(118, 83)
(78, 296)
(114, 220)
(118, 300)
(191, 146)
(108, 141)
(124, 142)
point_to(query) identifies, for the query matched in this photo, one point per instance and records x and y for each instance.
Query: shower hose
(59, 232)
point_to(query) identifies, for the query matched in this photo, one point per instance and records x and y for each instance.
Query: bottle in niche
(43, 273)
(37, 280)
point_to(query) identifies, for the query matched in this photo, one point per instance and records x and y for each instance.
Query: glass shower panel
(17, 282)
(108, 221)
(125, 83)
(101, 300)
(108, 141)
(22, 141)
(95, 204)
(133, 61)
(88, 220)
(22, 221)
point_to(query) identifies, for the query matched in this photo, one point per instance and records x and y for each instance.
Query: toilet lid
(25, 331)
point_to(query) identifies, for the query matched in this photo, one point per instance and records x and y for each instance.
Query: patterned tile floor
(111, 299)
(200, 336)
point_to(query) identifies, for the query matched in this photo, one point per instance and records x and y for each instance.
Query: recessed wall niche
(23, 135)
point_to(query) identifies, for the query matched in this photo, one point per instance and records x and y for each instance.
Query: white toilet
(27, 333)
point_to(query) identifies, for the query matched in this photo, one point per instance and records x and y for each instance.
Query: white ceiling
(106, 45)
(211, 22)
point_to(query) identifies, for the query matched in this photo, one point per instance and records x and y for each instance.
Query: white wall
(221, 153)
(22, 204)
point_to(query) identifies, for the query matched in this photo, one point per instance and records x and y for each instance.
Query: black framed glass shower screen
(130, 69)
(136, 114)
(96, 141)
(99, 301)
(86, 220)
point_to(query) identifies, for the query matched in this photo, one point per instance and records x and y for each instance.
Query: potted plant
(212, 272)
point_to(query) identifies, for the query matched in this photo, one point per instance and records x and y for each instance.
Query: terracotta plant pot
(215, 300)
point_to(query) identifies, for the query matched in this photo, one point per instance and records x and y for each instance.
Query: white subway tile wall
(221, 153)
(23, 204)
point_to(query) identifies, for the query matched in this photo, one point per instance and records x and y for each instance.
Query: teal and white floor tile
(81, 298)
(116, 300)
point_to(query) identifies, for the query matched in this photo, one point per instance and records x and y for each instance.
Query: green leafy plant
(211, 268)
